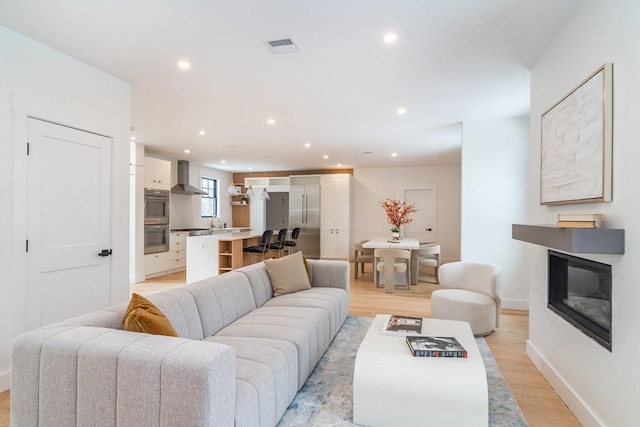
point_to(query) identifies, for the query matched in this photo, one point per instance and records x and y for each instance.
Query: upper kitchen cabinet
(157, 173)
(335, 214)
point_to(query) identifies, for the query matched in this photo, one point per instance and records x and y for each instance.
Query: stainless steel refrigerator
(304, 212)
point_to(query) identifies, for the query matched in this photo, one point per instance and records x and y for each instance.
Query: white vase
(395, 235)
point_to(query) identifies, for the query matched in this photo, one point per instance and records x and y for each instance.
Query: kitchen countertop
(240, 236)
(208, 231)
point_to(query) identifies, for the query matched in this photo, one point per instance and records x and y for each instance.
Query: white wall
(44, 83)
(136, 218)
(185, 209)
(494, 177)
(600, 387)
(371, 185)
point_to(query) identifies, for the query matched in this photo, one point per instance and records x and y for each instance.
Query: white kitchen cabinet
(157, 173)
(334, 244)
(156, 264)
(177, 251)
(172, 261)
(335, 216)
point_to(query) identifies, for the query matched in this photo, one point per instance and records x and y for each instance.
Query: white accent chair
(361, 256)
(471, 294)
(427, 256)
(389, 262)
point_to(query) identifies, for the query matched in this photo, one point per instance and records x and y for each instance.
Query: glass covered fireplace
(580, 292)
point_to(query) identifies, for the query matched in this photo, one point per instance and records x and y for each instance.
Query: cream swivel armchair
(471, 294)
(361, 256)
(389, 262)
(427, 256)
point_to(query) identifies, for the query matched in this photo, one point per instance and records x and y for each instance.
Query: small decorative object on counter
(395, 233)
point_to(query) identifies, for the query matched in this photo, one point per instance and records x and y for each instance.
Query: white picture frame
(576, 143)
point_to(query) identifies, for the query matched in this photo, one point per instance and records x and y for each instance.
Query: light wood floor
(540, 404)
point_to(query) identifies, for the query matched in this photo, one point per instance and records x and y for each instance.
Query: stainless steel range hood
(183, 187)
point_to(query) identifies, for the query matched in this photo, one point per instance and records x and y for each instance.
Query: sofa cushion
(221, 300)
(181, 310)
(266, 374)
(259, 282)
(288, 274)
(307, 328)
(332, 300)
(143, 316)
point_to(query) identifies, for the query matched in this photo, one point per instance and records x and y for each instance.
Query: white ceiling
(454, 61)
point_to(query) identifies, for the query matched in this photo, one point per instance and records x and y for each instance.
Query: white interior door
(423, 226)
(68, 222)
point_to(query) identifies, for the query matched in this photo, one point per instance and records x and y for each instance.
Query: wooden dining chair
(427, 256)
(389, 262)
(361, 256)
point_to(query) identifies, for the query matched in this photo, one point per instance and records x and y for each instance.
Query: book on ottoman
(402, 325)
(422, 346)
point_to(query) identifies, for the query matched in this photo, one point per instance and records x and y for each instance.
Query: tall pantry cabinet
(335, 214)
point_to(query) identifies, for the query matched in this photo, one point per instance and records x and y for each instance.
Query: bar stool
(279, 245)
(262, 248)
(293, 243)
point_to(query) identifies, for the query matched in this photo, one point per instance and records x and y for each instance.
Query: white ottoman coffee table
(393, 388)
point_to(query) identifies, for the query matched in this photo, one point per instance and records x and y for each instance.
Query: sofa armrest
(98, 376)
(330, 273)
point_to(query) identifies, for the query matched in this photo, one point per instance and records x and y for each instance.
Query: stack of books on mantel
(579, 220)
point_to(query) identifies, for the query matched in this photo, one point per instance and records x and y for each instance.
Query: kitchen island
(213, 254)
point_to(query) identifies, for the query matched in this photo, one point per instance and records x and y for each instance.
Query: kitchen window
(209, 201)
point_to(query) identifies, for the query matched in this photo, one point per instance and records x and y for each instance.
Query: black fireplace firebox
(579, 291)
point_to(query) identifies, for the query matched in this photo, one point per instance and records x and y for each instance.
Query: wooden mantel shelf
(575, 240)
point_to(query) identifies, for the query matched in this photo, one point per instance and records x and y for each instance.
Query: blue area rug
(326, 398)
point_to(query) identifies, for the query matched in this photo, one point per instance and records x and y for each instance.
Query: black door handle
(105, 252)
(429, 229)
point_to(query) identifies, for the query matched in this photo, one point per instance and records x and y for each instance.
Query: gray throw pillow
(287, 274)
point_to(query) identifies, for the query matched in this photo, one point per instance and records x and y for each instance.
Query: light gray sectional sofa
(240, 358)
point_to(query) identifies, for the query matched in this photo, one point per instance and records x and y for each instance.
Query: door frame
(24, 107)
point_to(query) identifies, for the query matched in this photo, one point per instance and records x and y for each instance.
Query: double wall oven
(156, 221)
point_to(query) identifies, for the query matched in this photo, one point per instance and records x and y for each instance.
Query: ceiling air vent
(282, 45)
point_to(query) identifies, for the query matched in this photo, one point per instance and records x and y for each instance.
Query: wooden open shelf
(230, 254)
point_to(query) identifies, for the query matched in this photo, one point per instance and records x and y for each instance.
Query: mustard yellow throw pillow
(143, 316)
(287, 274)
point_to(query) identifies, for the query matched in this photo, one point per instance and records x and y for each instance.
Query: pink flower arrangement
(398, 212)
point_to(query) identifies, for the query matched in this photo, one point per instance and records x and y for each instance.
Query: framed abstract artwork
(576, 143)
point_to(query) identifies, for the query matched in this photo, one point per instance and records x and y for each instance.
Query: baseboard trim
(515, 304)
(5, 381)
(136, 278)
(568, 395)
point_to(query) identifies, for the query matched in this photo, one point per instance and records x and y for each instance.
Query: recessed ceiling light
(271, 122)
(325, 157)
(223, 161)
(307, 145)
(394, 154)
(133, 138)
(202, 132)
(390, 38)
(184, 65)
(250, 169)
(187, 151)
(401, 111)
(339, 165)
